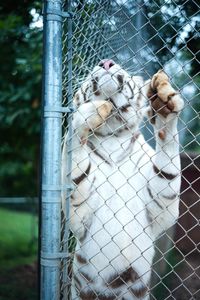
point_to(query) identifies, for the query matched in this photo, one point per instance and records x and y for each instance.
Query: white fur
(115, 213)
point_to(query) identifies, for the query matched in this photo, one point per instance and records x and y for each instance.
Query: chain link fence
(109, 217)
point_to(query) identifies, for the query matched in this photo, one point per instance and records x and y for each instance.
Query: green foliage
(20, 91)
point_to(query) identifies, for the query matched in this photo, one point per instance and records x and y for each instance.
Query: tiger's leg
(87, 118)
(164, 180)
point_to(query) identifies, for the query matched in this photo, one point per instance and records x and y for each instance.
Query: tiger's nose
(106, 64)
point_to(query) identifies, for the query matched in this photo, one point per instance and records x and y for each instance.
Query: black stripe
(80, 178)
(88, 295)
(135, 137)
(151, 195)
(121, 129)
(168, 197)
(83, 237)
(140, 158)
(101, 134)
(93, 181)
(105, 297)
(93, 295)
(117, 280)
(85, 200)
(77, 282)
(91, 193)
(139, 98)
(117, 131)
(86, 90)
(121, 82)
(119, 118)
(139, 293)
(148, 215)
(77, 99)
(81, 259)
(113, 103)
(86, 277)
(163, 174)
(95, 86)
(124, 108)
(84, 95)
(131, 89)
(94, 150)
(77, 205)
(129, 148)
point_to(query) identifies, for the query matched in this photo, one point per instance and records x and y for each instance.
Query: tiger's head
(108, 81)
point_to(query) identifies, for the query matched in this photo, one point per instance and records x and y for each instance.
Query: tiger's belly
(115, 257)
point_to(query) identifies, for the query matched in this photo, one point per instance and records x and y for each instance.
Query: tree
(20, 86)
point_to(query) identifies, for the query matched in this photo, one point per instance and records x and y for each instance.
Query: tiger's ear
(138, 80)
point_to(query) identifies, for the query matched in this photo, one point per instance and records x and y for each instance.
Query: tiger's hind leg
(164, 177)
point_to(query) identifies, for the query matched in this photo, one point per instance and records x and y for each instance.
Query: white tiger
(126, 193)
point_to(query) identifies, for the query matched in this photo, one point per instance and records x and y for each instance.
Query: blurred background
(20, 106)
(143, 36)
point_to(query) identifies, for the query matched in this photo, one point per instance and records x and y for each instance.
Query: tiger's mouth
(107, 78)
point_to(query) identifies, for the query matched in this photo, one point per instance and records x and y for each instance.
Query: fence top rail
(18, 200)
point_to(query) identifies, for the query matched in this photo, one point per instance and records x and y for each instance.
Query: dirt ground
(21, 282)
(185, 282)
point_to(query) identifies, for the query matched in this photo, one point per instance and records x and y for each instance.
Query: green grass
(18, 254)
(18, 238)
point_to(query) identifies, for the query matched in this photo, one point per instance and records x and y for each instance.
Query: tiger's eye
(100, 64)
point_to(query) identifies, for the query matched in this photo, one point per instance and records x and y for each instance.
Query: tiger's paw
(164, 100)
(104, 109)
(90, 116)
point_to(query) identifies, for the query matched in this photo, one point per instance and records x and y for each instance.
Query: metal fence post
(51, 162)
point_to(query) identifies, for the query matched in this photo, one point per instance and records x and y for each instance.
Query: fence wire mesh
(118, 217)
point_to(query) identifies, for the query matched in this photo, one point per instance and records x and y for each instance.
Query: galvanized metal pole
(51, 161)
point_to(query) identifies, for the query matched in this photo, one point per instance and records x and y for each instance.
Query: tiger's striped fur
(126, 192)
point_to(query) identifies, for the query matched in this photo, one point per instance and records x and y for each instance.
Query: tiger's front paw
(104, 109)
(90, 116)
(163, 98)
